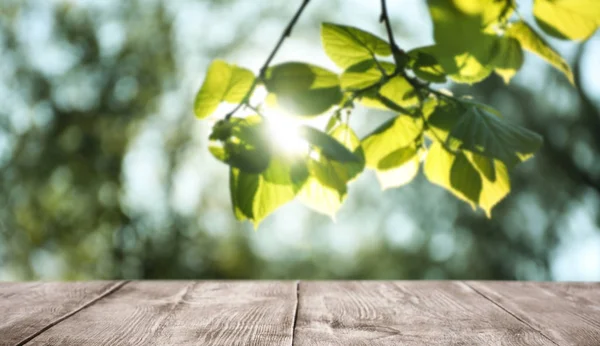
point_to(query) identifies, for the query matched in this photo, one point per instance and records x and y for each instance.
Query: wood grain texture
(183, 313)
(404, 313)
(568, 313)
(28, 308)
(327, 313)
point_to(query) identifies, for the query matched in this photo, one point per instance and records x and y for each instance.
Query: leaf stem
(263, 70)
(397, 52)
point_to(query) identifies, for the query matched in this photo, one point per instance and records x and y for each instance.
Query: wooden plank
(568, 313)
(26, 309)
(183, 313)
(404, 313)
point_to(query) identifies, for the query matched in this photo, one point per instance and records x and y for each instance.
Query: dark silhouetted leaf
(327, 145)
(303, 89)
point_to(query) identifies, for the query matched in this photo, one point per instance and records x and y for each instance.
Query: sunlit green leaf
(453, 172)
(480, 131)
(466, 43)
(302, 88)
(371, 99)
(393, 135)
(478, 180)
(346, 45)
(256, 196)
(399, 167)
(272, 193)
(490, 11)
(326, 188)
(223, 82)
(465, 179)
(442, 115)
(344, 134)
(495, 179)
(397, 157)
(392, 151)
(400, 91)
(426, 66)
(400, 175)
(364, 74)
(531, 41)
(327, 145)
(466, 65)
(568, 19)
(321, 197)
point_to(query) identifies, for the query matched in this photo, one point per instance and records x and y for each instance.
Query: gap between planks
(295, 320)
(509, 312)
(102, 295)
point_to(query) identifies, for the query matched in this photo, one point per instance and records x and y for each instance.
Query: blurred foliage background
(105, 172)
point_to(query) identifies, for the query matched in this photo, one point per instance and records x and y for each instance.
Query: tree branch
(263, 70)
(396, 51)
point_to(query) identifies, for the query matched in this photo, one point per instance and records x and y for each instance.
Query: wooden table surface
(299, 313)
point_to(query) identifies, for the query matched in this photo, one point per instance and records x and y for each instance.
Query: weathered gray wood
(328, 313)
(28, 308)
(183, 313)
(404, 313)
(568, 313)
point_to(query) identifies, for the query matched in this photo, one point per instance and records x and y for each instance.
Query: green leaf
(395, 134)
(508, 58)
(243, 187)
(371, 99)
(531, 41)
(302, 88)
(485, 165)
(346, 45)
(326, 187)
(256, 196)
(453, 172)
(399, 167)
(465, 179)
(441, 116)
(496, 182)
(568, 19)
(490, 11)
(400, 91)
(325, 190)
(466, 65)
(273, 193)
(327, 145)
(392, 151)
(334, 120)
(476, 179)
(241, 143)
(344, 134)
(482, 132)
(466, 43)
(397, 157)
(426, 66)
(223, 82)
(364, 74)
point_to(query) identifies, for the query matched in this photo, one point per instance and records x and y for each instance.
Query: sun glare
(283, 127)
(284, 133)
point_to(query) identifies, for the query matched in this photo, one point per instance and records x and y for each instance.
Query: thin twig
(396, 51)
(263, 70)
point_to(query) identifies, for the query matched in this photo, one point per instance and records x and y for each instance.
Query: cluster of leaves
(466, 147)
